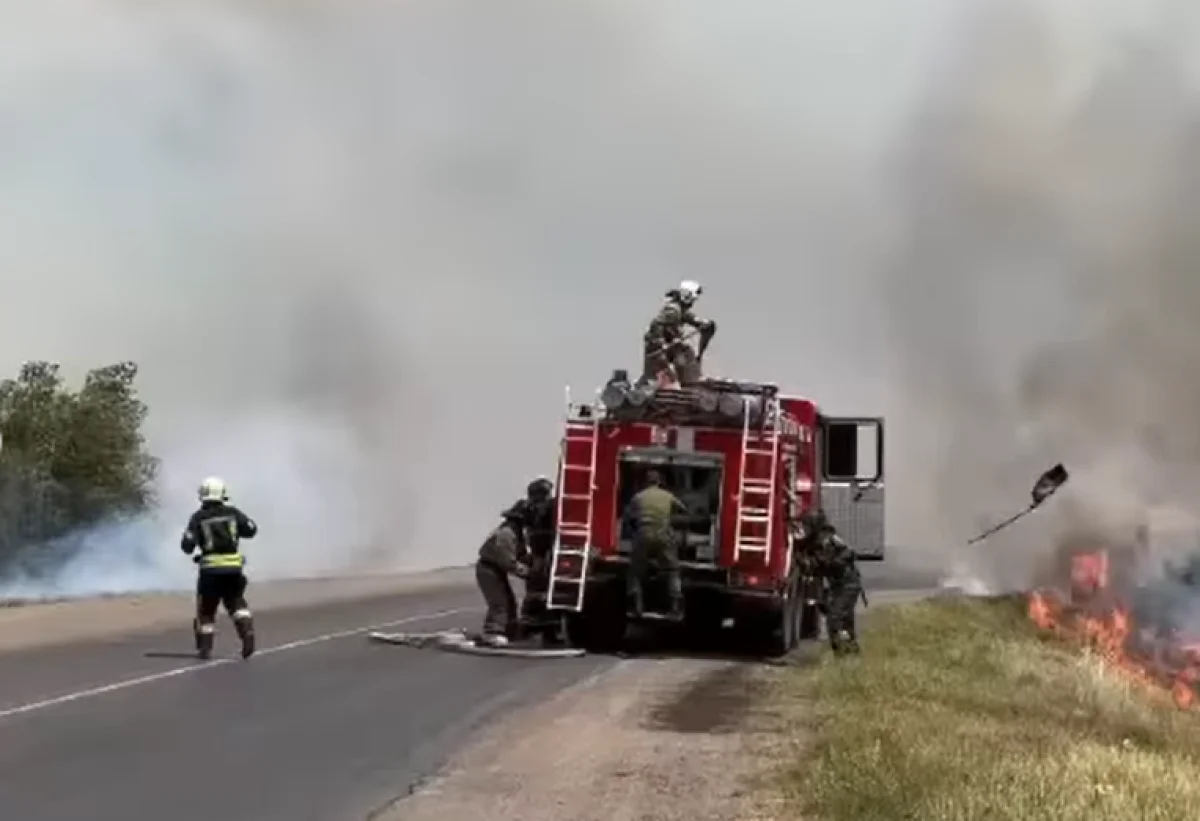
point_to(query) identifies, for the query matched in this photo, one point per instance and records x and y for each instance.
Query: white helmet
(213, 489)
(689, 290)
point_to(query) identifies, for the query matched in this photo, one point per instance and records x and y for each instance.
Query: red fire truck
(747, 461)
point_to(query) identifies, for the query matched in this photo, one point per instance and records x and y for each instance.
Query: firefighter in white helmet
(668, 358)
(213, 539)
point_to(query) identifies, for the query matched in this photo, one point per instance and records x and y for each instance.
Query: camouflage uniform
(543, 509)
(835, 562)
(499, 557)
(654, 543)
(665, 348)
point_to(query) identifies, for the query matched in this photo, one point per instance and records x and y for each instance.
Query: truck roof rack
(717, 403)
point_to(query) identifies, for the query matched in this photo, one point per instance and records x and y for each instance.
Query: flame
(1094, 616)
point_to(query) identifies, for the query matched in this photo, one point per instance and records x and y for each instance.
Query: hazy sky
(359, 248)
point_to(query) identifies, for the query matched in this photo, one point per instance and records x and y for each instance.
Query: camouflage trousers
(658, 552)
(676, 362)
(501, 616)
(840, 618)
(537, 586)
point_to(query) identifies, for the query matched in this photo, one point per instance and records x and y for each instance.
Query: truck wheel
(797, 618)
(782, 626)
(810, 622)
(600, 628)
(701, 630)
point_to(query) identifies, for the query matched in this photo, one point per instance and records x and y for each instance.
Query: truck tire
(702, 630)
(600, 627)
(782, 637)
(810, 622)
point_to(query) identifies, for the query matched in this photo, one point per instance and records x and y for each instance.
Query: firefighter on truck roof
(667, 356)
(216, 530)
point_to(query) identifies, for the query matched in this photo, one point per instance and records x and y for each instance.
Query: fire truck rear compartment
(696, 479)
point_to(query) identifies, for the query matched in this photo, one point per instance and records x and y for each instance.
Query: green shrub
(69, 459)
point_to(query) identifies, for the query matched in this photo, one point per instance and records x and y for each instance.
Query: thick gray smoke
(360, 247)
(1046, 293)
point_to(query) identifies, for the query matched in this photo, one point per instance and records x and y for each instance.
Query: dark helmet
(539, 489)
(518, 513)
(814, 520)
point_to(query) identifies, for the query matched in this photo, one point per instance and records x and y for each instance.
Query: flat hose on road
(457, 641)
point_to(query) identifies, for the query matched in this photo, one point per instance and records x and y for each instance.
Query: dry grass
(957, 710)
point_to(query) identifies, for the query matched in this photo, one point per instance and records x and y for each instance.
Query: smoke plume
(1045, 297)
(359, 248)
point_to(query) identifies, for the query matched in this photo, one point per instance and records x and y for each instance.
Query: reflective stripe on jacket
(222, 561)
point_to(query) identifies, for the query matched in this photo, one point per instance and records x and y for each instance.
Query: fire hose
(1045, 487)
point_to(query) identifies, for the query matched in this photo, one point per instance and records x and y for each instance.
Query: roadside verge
(957, 709)
(44, 623)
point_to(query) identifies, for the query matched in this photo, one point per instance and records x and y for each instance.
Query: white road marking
(179, 671)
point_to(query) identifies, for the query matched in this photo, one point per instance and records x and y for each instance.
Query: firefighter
(654, 543)
(216, 531)
(834, 560)
(667, 355)
(500, 556)
(539, 497)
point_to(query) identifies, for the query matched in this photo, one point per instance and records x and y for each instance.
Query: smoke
(359, 249)
(1045, 293)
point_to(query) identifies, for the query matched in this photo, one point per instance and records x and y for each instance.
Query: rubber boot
(636, 604)
(204, 644)
(676, 611)
(245, 631)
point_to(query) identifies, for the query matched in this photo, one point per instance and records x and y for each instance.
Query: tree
(69, 460)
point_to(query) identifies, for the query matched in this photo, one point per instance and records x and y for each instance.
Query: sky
(359, 249)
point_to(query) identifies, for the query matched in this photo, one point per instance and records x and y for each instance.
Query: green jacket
(651, 511)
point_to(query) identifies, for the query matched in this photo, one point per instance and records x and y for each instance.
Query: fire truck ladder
(756, 482)
(573, 539)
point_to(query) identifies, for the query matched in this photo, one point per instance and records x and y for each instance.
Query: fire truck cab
(747, 461)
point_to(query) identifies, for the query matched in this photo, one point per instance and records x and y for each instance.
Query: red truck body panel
(797, 438)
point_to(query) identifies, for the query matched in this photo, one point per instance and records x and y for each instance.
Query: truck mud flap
(457, 641)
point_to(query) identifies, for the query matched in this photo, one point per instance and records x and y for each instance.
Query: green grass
(958, 710)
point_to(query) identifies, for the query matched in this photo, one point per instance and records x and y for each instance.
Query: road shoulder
(43, 624)
(653, 739)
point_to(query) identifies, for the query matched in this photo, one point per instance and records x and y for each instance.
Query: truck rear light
(569, 565)
(755, 580)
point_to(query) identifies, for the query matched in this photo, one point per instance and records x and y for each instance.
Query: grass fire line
(1093, 613)
(962, 708)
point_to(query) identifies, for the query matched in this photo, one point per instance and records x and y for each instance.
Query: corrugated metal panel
(860, 523)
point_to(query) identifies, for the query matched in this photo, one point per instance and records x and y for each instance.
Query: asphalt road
(321, 725)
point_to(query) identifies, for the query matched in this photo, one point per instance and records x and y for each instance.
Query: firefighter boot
(636, 603)
(244, 623)
(676, 611)
(204, 639)
(675, 592)
(842, 643)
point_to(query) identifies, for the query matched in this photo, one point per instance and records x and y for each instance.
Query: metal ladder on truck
(756, 481)
(573, 536)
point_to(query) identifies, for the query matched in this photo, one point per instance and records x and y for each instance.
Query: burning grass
(962, 709)
(1092, 613)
